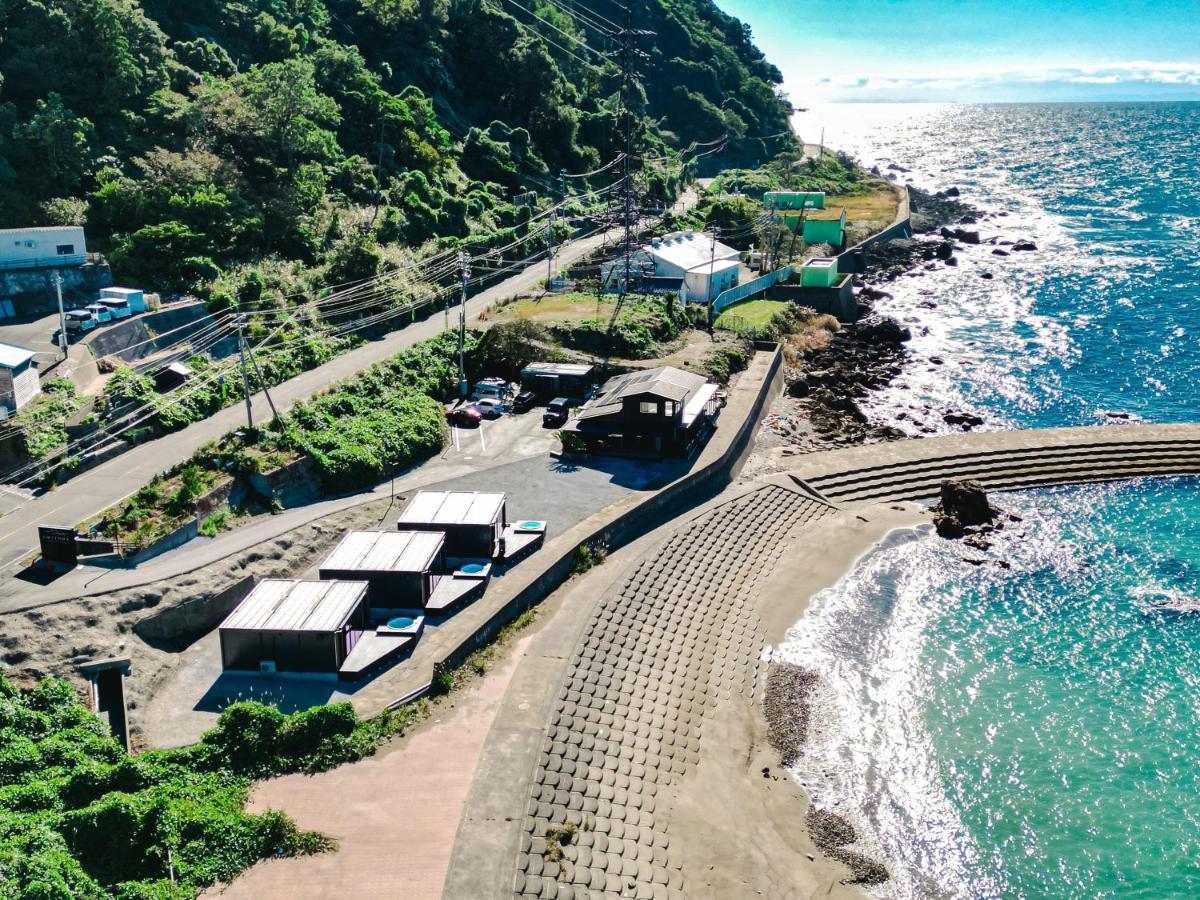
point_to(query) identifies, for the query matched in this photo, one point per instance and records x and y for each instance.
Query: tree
(61, 139)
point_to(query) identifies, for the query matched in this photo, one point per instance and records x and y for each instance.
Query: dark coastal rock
(964, 420)
(798, 387)
(952, 261)
(951, 192)
(883, 330)
(787, 709)
(1000, 252)
(986, 276)
(945, 250)
(963, 504)
(967, 235)
(893, 167)
(1024, 245)
(831, 832)
(947, 233)
(968, 220)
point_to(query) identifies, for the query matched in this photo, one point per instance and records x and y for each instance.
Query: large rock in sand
(963, 504)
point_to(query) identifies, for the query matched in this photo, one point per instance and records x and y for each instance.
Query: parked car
(524, 401)
(490, 407)
(465, 415)
(118, 307)
(556, 412)
(100, 312)
(79, 321)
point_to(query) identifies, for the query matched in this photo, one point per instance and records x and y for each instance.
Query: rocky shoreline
(831, 381)
(788, 710)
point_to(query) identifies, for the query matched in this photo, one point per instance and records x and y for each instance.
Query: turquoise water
(1033, 731)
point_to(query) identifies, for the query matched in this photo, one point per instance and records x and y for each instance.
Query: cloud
(1132, 75)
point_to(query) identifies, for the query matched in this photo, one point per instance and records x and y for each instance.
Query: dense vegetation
(356, 434)
(80, 818)
(323, 136)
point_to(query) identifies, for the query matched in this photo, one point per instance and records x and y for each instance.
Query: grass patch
(879, 205)
(750, 314)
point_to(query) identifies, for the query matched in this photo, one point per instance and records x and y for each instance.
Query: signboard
(58, 544)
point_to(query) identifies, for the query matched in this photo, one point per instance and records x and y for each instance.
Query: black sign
(58, 544)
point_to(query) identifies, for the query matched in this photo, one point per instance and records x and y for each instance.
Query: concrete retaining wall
(121, 339)
(836, 301)
(180, 625)
(619, 525)
(32, 290)
(853, 260)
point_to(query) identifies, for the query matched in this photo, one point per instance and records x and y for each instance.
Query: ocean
(1032, 731)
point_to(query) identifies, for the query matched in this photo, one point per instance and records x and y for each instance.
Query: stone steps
(919, 479)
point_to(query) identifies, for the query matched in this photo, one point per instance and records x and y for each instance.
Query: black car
(556, 412)
(524, 401)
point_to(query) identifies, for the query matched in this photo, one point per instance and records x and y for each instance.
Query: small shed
(825, 226)
(402, 568)
(820, 271)
(297, 626)
(171, 376)
(135, 297)
(794, 199)
(19, 379)
(473, 522)
(549, 380)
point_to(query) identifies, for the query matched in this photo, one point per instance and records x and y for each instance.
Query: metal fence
(743, 291)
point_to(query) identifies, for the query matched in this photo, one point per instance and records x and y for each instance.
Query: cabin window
(66, 249)
(669, 408)
(648, 408)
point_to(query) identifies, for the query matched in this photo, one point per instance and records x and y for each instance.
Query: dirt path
(394, 815)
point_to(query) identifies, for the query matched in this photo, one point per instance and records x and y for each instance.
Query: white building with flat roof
(27, 248)
(697, 265)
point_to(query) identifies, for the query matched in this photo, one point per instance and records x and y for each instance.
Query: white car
(489, 407)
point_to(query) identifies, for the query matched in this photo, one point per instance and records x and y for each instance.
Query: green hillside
(194, 138)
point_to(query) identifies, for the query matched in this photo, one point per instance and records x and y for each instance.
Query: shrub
(724, 360)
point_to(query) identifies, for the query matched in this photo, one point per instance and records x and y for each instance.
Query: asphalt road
(99, 488)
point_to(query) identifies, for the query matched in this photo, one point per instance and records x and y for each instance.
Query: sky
(979, 50)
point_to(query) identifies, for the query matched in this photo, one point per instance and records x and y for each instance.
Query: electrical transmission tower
(628, 56)
(464, 270)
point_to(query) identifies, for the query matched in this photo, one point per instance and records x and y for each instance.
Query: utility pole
(263, 381)
(708, 288)
(245, 375)
(627, 54)
(62, 315)
(464, 268)
(550, 251)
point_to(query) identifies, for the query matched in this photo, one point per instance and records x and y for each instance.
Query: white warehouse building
(27, 248)
(696, 265)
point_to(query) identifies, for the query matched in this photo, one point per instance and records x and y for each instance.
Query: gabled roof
(667, 382)
(385, 551)
(282, 605)
(12, 356)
